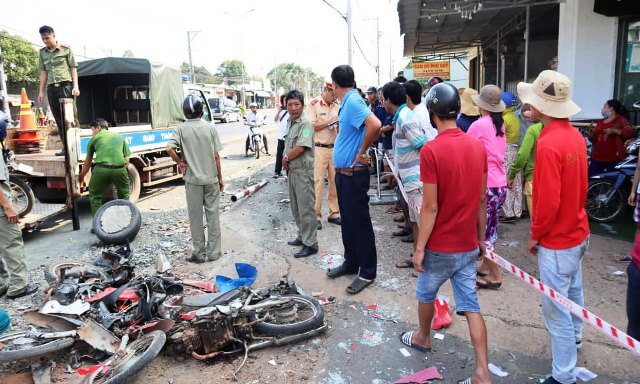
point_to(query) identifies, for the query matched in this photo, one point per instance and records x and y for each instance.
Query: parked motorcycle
(23, 198)
(608, 191)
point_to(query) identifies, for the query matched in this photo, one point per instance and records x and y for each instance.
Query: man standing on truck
(199, 162)
(59, 72)
(14, 275)
(110, 166)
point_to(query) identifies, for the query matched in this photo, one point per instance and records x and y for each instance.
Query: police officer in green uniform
(109, 167)
(59, 73)
(14, 275)
(298, 161)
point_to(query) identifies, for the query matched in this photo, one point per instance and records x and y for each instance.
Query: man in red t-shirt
(453, 170)
(559, 225)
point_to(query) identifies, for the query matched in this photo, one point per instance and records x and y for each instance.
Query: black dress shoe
(335, 220)
(28, 290)
(401, 233)
(295, 242)
(61, 153)
(195, 259)
(305, 251)
(319, 225)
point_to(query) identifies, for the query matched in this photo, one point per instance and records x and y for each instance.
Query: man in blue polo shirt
(358, 130)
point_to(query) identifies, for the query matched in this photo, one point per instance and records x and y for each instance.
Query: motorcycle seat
(207, 299)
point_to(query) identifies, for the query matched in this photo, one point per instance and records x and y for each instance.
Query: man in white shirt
(420, 113)
(281, 117)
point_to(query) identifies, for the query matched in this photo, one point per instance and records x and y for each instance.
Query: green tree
(20, 59)
(292, 76)
(231, 71)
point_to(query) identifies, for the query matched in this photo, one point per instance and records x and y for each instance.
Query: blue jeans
(460, 268)
(561, 270)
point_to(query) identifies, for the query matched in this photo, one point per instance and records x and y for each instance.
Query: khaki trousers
(303, 199)
(13, 268)
(528, 192)
(205, 197)
(323, 165)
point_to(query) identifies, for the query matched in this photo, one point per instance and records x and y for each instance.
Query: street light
(240, 17)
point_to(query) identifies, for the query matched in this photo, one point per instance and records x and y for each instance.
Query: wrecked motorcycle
(242, 320)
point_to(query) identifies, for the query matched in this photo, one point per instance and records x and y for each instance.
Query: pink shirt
(496, 147)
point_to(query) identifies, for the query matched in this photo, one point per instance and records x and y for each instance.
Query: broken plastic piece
(497, 370)
(372, 307)
(442, 316)
(327, 300)
(421, 377)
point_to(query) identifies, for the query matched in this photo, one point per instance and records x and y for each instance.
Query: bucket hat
(550, 93)
(468, 107)
(489, 99)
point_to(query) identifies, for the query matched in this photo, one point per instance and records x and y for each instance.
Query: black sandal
(357, 285)
(406, 263)
(338, 271)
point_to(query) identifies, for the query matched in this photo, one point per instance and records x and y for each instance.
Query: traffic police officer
(110, 166)
(298, 162)
(58, 71)
(323, 113)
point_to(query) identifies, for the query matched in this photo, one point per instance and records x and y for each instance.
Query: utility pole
(349, 32)
(189, 40)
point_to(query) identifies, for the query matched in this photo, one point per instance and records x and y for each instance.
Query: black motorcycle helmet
(443, 100)
(433, 81)
(192, 107)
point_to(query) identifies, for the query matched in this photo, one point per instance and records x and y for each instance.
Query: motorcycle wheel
(52, 273)
(22, 196)
(37, 347)
(597, 209)
(131, 361)
(301, 314)
(256, 146)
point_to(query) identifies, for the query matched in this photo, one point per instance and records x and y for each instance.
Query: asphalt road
(230, 131)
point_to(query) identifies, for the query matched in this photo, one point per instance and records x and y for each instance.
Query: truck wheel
(117, 221)
(134, 183)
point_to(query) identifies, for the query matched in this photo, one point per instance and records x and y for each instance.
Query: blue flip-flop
(406, 337)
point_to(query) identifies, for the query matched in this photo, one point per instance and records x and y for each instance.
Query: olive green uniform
(14, 275)
(199, 142)
(301, 188)
(58, 66)
(108, 167)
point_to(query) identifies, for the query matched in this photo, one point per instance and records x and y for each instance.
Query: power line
(362, 52)
(335, 9)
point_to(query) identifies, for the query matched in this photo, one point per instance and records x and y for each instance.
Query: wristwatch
(286, 157)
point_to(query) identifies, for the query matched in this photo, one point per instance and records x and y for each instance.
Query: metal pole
(68, 120)
(526, 46)
(497, 57)
(349, 32)
(378, 66)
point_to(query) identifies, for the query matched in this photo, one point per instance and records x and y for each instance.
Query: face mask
(605, 115)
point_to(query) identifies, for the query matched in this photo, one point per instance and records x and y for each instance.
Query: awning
(623, 8)
(263, 94)
(436, 26)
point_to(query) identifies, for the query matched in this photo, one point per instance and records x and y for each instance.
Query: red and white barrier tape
(588, 317)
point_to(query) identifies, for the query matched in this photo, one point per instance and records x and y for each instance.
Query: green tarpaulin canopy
(99, 78)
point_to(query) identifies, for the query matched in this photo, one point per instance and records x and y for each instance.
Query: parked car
(224, 109)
